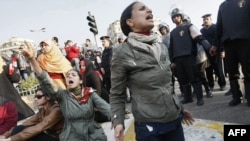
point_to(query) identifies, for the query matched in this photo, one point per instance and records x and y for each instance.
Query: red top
(72, 52)
(8, 116)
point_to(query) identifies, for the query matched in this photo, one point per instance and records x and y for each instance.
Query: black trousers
(40, 137)
(187, 71)
(237, 52)
(107, 80)
(217, 68)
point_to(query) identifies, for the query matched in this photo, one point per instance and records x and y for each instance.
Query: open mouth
(149, 17)
(71, 82)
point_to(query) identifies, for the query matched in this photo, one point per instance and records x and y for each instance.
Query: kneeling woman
(77, 104)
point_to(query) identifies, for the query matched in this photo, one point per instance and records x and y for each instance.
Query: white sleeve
(194, 31)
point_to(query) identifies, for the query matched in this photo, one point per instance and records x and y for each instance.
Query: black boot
(208, 91)
(235, 88)
(199, 93)
(247, 92)
(187, 94)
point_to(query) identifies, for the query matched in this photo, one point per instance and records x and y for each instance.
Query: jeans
(155, 131)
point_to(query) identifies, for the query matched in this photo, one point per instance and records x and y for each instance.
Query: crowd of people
(80, 87)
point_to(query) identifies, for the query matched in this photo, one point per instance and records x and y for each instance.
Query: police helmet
(162, 24)
(177, 11)
(186, 19)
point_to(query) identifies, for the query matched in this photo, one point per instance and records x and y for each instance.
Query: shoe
(200, 102)
(209, 94)
(234, 102)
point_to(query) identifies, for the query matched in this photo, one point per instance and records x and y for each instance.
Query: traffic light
(92, 24)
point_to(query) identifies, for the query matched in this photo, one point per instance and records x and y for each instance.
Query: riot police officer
(233, 28)
(182, 52)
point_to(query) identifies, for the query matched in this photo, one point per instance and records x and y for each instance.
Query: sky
(66, 19)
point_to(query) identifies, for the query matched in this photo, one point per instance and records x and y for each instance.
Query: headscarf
(53, 61)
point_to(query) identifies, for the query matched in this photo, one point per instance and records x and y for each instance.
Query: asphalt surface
(217, 108)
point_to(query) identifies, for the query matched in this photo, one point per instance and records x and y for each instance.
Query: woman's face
(72, 79)
(45, 47)
(41, 99)
(141, 19)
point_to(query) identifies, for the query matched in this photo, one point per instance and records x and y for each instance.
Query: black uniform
(233, 31)
(182, 52)
(216, 61)
(106, 59)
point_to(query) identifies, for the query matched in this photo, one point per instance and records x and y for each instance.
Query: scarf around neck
(81, 95)
(147, 43)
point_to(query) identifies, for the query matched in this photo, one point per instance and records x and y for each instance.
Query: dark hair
(88, 40)
(67, 42)
(78, 72)
(55, 38)
(126, 14)
(52, 99)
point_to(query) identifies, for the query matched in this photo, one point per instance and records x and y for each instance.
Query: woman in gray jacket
(77, 104)
(142, 64)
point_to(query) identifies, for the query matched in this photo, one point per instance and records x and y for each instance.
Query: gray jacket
(79, 118)
(149, 82)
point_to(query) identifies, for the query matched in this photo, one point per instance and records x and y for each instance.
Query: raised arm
(42, 76)
(29, 53)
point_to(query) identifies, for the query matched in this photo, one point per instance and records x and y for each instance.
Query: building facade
(114, 30)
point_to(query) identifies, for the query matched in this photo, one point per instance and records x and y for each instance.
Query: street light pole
(40, 30)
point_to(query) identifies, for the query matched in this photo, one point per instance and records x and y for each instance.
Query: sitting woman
(77, 104)
(46, 125)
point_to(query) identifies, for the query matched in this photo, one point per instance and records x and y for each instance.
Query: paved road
(217, 109)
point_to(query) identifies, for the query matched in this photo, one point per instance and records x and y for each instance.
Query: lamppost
(39, 30)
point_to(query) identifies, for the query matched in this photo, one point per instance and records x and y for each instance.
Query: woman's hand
(28, 51)
(187, 118)
(119, 132)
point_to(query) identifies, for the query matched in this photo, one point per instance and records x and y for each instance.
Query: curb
(201, 130)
